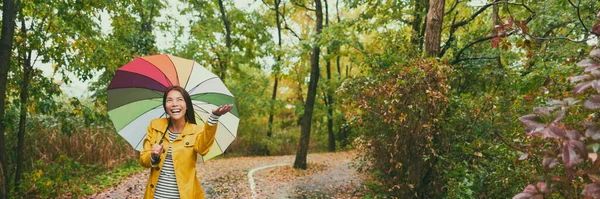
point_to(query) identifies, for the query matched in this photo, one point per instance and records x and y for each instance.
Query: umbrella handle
(157, 160)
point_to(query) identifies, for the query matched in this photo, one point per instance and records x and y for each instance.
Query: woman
(171, 146)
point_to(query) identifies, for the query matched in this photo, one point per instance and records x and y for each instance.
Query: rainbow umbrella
(135, 97)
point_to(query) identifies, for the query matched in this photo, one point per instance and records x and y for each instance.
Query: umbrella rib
(218, 145)
(227, 129)
(138, 144)
(176, 72)
(194, 88)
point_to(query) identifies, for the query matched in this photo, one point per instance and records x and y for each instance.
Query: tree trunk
(6, 44)
(275, 70)
(300, 162)
(27, 70)
(495, 17)
(433, 32)
(225, 62)
(328, 90)
(420, 8)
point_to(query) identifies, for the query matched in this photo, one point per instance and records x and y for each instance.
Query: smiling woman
(180, 148)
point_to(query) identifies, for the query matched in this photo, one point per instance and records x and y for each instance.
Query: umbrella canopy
(136, 91)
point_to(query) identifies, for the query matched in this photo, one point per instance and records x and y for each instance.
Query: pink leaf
(531, 192)
(592, 130)
(592, 190)
(586, 62)
(573, 135)
(543, 187)
(593, 156)
(595, 53)
(593, 103)
(579, 78)
(523, 157)
(572, 153)
(560, 115)
(581, 87)
(532, 124)
(542, 111)
(550, 162)
(553, 131)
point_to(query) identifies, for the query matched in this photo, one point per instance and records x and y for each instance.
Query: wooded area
(439, 98)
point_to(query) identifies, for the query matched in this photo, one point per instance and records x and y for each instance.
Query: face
(175, 105)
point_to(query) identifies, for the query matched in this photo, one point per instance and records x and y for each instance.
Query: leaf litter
(329, 175)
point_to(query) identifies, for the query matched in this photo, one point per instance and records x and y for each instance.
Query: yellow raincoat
(193, 140)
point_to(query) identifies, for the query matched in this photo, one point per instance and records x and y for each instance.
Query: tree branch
(288, 27)
(452, 8)
(450, 38)
(558, 38)
(267, 5)
(506, 34)
(458, 59)
(472, 17)
(579, 15)
(303, 6)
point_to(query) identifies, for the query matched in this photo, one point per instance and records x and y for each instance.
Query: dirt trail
(329, 176)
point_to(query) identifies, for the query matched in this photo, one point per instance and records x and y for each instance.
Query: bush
(397, 112)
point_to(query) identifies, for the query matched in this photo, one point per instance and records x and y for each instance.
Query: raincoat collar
(162, 123)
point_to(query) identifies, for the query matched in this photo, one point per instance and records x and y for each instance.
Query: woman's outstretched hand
(222, 109)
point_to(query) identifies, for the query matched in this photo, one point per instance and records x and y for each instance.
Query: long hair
(189, 112)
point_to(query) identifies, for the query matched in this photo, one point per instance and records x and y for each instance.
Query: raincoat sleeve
(206, 138)
(145, 154)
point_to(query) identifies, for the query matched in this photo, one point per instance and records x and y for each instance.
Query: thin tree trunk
(6, 45)
(22, 120)
(27, 69)
(496, 19)
(300, 162)
(328, 90)
(420, 8)
(423, 26)
(228, 42)
(275, 70)
(435, 18)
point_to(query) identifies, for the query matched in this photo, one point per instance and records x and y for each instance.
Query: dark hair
(189, 112)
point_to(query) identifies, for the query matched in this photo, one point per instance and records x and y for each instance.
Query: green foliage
(69, 178)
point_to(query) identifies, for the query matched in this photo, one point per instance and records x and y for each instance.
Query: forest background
(441, 99)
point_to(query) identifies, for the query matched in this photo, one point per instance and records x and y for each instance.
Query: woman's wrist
(213, 119)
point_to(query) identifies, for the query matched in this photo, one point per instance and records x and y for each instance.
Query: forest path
(329, 175)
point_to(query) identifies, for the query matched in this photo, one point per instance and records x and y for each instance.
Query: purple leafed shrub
(563, 146)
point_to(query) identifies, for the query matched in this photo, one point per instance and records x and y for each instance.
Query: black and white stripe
(213, 119)
(166, 187)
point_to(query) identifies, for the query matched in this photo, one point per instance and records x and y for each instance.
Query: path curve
(251, 179)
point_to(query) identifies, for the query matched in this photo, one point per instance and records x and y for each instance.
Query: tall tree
(419, 17)
(276, 67)
(9, 12)
(433, 30)
(25, 59)
(300, 161)
(328, 97)
(224, 59)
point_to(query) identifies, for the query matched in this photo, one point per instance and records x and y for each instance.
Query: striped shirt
(166, 187)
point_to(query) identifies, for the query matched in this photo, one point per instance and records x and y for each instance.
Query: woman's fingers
(223, 109)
